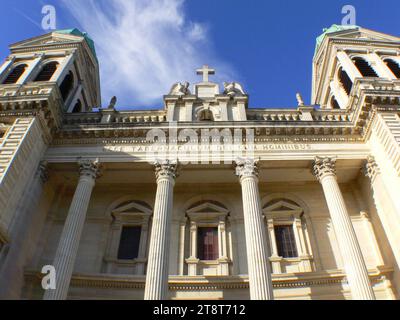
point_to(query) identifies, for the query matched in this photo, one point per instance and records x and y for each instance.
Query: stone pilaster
(355, 268)
(258, 251)
(11, 274)
(157, 267)
(384, 206)
(70, 237)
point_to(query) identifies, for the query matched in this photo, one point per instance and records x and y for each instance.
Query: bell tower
(41, 80)
(349, 58)
(64, 61)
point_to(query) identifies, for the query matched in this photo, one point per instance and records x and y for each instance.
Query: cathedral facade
(206, 198)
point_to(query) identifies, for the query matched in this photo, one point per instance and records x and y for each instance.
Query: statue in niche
(179, 89)
(233, 89)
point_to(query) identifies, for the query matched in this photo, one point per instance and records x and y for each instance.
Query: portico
(200, 184)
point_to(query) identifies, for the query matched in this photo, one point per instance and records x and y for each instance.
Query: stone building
(296, 203)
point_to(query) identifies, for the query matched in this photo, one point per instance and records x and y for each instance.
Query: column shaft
(157, 268)
(355, 268)
(67, 249)
(258, 252)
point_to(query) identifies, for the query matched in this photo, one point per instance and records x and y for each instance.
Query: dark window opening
(78, 107)
(345, 81)
(15, 74)
(334, 103)
(207, 243)
(129, 243)
(394, 67)
(285, 241)
(364, 67)
(47, 72)
(67, 85)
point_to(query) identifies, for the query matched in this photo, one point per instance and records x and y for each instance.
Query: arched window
(334, 103)
(345, 81)
(67, 85)
(15, 74)
(78, 107)
(364, 67)
(206, 115)
(47, 71)
(394, 67)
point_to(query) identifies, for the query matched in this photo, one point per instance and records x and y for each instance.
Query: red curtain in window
(207, 243)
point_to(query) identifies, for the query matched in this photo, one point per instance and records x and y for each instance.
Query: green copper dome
(77, 32)
(334, 28)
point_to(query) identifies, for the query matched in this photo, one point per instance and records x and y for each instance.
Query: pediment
(283, 206)
(208, 207)
(366, 34)
(129, 207)
(50, 38)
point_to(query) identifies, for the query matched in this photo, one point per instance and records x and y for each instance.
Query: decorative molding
(90, 168)
(322, 167)
(196, 283)
(371, 168)
(43, 171)
(166, 169)
(246, 168)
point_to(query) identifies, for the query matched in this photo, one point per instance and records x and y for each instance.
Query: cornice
(196, 283)
(42, 100)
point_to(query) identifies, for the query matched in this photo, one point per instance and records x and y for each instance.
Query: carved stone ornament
(324, 166)
(371, 168)
(166, 169)
(179, 89)
(90, 168)
(246, 168)
(43, 171)
(233, 89)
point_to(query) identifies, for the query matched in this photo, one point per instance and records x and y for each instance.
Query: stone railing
(30, 89)
(286, 115)
(156, 116)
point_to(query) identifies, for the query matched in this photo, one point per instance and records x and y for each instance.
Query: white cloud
(144, 46)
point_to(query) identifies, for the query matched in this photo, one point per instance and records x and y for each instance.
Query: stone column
(384, 206)
(258, 251)
(348, 66)
(157, 267)
(355, 268)
(70, 237)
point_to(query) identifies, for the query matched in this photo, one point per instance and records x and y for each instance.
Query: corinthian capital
(371, 168)
(324, 166)
(91, 168)
(166, 169)
(246, 168)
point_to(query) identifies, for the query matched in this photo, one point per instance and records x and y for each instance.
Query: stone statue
(300, 100)
(233, 89)
(113, 102)
(179, 89)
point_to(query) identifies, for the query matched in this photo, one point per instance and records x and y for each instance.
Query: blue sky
(144, 46)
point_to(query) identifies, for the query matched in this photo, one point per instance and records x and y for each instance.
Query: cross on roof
(205, 71)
